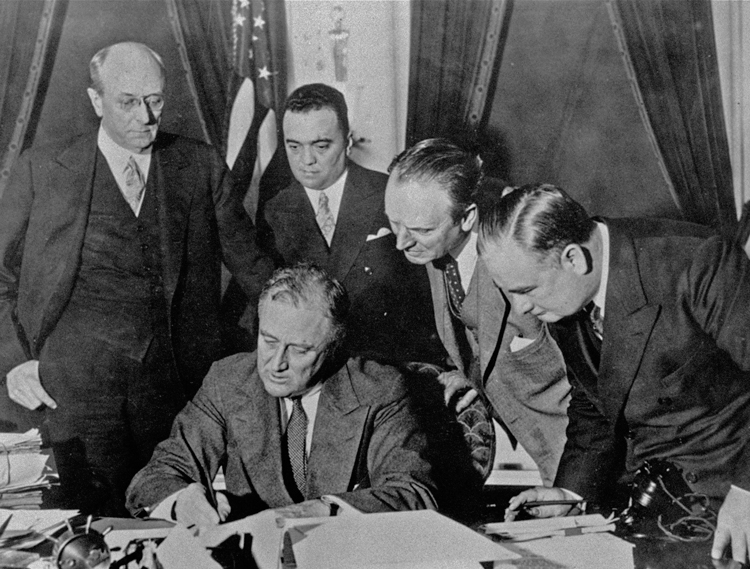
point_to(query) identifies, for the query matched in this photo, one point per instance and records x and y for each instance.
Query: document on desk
(587, 551)
(398, 540)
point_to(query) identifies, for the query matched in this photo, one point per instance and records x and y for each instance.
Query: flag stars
(259, 22)
(244, 3)
(264, 73)
(239, 20)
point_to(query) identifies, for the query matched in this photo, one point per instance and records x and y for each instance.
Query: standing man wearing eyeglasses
(110, 253)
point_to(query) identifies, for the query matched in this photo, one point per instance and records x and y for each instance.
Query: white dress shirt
(334, 192)
(117, 158)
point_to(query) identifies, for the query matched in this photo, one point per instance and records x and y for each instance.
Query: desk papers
(405, 540)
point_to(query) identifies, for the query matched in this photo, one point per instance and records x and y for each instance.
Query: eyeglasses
(155, 103)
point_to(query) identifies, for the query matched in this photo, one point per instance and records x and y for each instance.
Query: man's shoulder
(166, 141)
(374, 382)
(654, 229)
(231, 372)
(364, 176)
(54, 149)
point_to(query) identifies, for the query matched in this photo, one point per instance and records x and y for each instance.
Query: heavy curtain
(30, 30)
(670, 46)
(456, 48)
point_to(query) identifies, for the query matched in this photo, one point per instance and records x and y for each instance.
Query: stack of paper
(24, 470)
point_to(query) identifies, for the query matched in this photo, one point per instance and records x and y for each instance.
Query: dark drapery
(670, 45)
(456, 47)
(30, 30)
(204, 27)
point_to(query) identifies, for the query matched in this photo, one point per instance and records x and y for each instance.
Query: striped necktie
(135, 184)
(324, 217)
(296, 444)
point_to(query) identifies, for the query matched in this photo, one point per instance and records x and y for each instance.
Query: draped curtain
(456, 48)
(669, 46)
(30, 30)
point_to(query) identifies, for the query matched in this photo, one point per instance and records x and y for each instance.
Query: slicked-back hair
(96, 63)
(540, 218)
(316, 96)
(440, 160)
(309, 284)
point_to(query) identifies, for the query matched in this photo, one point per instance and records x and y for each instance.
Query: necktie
(324, 217)
(596, 318)
(135, 184)
(453, 283)
(296, 442)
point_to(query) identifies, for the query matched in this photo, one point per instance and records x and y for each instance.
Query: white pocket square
(382, 232)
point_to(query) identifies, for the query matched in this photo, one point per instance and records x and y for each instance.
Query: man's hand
(538, 494)
(193, 508)
(454, 382)
(25, 387)
(733, 526)
(307, 509)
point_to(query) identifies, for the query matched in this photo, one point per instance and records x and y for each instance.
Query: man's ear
(96, 101)
(469, 218)
(576, 259)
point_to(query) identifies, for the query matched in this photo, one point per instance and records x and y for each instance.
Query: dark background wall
(564, 112)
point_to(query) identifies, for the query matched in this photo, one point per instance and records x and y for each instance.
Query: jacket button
(368, 271)
(691, 477)
(664, 400)
(630, 434)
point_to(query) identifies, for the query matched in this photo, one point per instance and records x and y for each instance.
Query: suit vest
(119, 289)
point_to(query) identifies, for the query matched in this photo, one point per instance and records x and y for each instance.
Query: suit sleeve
(399, 474)
(593, 454)
(715, 291)
(15, 209)
(249, 265)
(195, 449)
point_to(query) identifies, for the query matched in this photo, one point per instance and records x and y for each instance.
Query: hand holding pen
(541, 502)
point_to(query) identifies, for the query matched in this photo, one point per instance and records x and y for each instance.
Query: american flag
(258, 40)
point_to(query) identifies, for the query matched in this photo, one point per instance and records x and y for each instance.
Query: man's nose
(403, 239)
(308, 157)
(279, 360)
(522, 304)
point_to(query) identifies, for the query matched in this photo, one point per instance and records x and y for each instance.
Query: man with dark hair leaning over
(652, 317)
(433, 194)
(291, 423)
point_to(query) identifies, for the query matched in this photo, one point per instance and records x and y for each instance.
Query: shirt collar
(601, 294)
(117, 157)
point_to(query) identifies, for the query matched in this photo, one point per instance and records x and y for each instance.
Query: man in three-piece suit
(431, 203)
(652, 317)
(332, 215)
(110, 252)
(297, 425)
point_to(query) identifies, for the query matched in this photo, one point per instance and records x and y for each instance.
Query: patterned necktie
(135, 184)
(296, 443)
(324, 217)
(453, 283)
(596, 318)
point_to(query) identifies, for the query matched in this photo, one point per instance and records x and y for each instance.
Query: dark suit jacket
(674, 379)
(527, 388)
(390, 312)
(43, 218)
(366, 446)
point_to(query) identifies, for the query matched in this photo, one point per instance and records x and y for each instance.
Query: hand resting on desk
(307, 509)
(733, 526)
(192, 507)
(538, 494)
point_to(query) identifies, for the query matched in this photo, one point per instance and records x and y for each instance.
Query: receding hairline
(103, 55)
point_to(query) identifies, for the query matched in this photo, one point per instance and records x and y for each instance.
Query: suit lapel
(337, 434)
(358, 204)
(171, 178)
(443, 321)
(71, 180)
(257, 428)
(491, 323)
(297, 217)
(628, 322)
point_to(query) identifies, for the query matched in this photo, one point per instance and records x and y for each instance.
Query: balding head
(127, 92)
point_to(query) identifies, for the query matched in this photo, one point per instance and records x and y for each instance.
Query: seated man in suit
(652, 317)
(291, 423)
(332, 215)
(431, 204)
